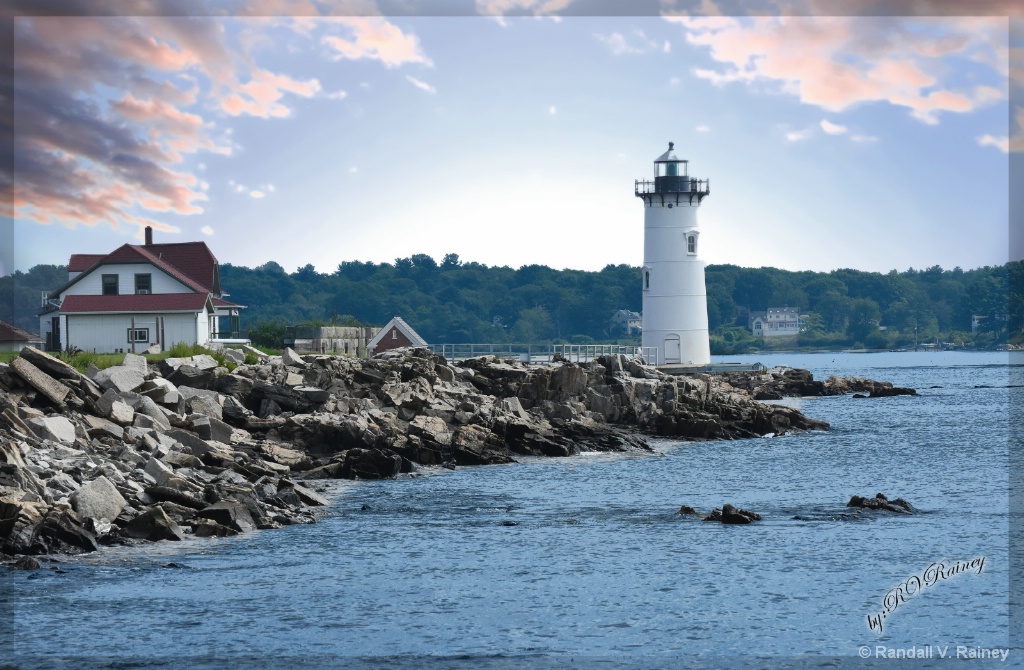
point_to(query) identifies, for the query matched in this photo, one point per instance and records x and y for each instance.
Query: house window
(691, 244)
(143, 283)
(394, 333)
(138, 334)
(110, 285)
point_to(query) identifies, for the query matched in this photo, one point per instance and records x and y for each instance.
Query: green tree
(534, 325)
(864, 319)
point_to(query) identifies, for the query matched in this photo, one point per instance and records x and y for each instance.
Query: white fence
(543, 353)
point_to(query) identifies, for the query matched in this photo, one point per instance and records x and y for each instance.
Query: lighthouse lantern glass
(670, 169)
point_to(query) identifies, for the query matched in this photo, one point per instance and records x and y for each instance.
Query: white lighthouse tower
(675, 303)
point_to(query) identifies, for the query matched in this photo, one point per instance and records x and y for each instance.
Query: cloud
(422, 85)
(256, 194)
(206, 230)
(863, 139)
(636, 43)
(374, 38)
(838, 62)
(703, 129)
(1002, 142)
(107, 108)
(260, 95)
(800, 135)
(552, 110)
(501, 8)
(674, 81)
(337, 95)
(832, 128)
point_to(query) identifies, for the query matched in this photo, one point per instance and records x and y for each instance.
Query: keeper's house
(138, 296)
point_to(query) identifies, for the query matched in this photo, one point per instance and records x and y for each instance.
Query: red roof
(129, 253)
(154, 302)
(193, 258)
(221, 302)
(82, 262)
(11, 333)
(191, 263)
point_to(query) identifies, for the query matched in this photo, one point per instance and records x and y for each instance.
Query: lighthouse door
(672, 353)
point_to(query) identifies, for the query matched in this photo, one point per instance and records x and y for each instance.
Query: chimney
(149, 236)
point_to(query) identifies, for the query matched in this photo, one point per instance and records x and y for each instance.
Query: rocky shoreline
(145, 452)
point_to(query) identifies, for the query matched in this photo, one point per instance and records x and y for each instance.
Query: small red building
(396, 334)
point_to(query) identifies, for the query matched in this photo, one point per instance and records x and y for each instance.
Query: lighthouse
(675, 303)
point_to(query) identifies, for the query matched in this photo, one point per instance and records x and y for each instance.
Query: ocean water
(584, 562)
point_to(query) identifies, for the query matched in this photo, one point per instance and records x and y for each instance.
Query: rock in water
(734, 515)
(881, 502)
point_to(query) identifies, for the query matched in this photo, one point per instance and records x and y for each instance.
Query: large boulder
(54, 391)
(158, 470)
(56, 428)
(229, 513)
(191, 376)
(289, 357)
(121, 378)
(154, 525)
(98, 499)
(161, 391)
(371, 464)
(34, 528)
(136, 362)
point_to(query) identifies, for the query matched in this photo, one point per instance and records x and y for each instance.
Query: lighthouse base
(679, 347)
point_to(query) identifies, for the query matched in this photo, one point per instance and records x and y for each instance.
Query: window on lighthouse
(671, 170)
(647, 280)
(691, 244)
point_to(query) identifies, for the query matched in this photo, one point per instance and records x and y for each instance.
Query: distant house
(775, 322)
(625, 321)
(395, 334)
(13, 338)
(137, 296)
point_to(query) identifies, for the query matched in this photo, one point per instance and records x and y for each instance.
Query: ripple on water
(598, 562)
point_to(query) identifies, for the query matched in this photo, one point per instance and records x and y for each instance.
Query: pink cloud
(374, 38)
(836, 63)
(107, 107)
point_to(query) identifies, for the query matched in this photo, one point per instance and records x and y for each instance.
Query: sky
(510, 132)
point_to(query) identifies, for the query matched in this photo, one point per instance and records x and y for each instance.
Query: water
(584, 560)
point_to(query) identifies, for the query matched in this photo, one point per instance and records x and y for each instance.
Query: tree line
(463, 302)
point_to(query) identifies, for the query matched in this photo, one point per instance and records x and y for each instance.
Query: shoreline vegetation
(452, 301)
(184, 446)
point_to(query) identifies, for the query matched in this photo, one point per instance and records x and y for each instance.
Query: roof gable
(133, 253)
(194, 259)
(403, 327)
